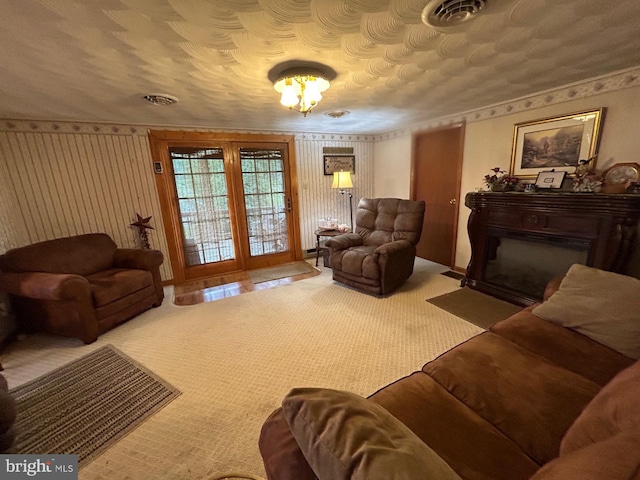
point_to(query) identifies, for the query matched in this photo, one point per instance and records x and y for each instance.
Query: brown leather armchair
(379, 256)
(80, 286)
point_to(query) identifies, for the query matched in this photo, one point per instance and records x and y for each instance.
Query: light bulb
(289, 97)
(312, 93)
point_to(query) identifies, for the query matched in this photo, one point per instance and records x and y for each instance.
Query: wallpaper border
(595, 86)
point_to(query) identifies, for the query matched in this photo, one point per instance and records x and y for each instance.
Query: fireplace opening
(524, 262)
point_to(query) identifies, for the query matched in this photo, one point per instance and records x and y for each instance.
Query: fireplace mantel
(600, 229)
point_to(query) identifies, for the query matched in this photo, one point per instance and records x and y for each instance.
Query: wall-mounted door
(436, 171)
(228, 203)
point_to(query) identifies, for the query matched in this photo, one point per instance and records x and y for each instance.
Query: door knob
(452, 201)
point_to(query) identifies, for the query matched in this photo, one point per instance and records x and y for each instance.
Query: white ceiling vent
(337, 113)
(160, 99)
(449, 13)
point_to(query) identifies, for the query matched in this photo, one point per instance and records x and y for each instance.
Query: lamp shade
(342, 180)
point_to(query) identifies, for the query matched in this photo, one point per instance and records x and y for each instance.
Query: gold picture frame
(556, 143)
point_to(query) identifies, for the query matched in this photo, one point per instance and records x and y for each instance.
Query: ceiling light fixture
(301, 88)
(301, 84)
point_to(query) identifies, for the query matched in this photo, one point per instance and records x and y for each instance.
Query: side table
(320, 245)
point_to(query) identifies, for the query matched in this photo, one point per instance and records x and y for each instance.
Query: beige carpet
(280, 271)
(86, 406)
(234, 360)
(475, 307)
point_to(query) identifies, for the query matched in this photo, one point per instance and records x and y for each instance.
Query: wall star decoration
(143, 226)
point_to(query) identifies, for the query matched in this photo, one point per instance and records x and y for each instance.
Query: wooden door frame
(160, 140)
(413, 179)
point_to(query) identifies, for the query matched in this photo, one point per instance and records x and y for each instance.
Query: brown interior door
(435, 178)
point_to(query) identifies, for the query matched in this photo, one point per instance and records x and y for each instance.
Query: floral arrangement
(499, 181)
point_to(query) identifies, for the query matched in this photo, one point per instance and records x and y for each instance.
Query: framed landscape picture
(337, 163)
(556, 143)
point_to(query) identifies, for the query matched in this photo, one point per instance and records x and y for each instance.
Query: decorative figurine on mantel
(585, 178)
(143, 225)
(585, 167)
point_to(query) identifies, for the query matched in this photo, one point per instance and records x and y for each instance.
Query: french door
(228, 203)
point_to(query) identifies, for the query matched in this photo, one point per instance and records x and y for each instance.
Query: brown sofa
(379, 256)
(7, 417)
(80, 286)
(526, 394)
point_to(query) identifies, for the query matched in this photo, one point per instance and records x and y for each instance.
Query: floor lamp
(342, 180)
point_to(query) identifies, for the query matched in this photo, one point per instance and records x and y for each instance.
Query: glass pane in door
(263, 179)
(201, 187)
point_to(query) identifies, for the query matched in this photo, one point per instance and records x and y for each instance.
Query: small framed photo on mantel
(550, 179)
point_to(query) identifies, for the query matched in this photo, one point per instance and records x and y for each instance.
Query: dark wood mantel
(605, 224)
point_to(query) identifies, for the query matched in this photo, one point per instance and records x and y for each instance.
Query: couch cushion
(473, 447)
(615, 409)
(358, 261)
(384, 220)
(530, 400)
(345, 436)
(602, 305)
(80, 255)
(617, 458)
(562, 346)
(113, 284)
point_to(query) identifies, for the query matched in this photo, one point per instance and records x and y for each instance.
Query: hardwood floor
(227, 285)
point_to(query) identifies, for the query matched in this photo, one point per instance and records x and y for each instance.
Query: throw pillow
(603, 306)
(346, 436)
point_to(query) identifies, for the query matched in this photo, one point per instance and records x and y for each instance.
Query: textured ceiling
(92, 60)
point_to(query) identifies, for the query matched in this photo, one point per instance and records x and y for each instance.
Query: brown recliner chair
(80, 286)
(379, 256)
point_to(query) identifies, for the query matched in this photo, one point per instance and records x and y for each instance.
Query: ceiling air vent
(451, 12)
(337, 113)
(160, 99)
